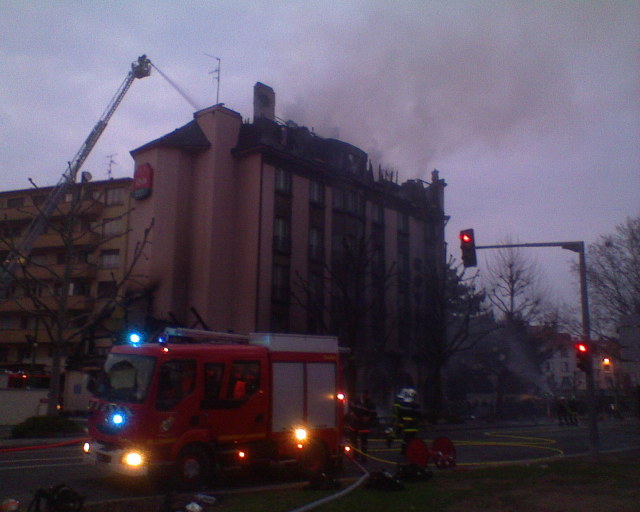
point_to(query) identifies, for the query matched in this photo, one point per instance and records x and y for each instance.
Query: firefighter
(406, 416)
(362, 416)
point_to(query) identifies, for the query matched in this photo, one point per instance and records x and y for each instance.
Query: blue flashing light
(135, 338)
(117, 419)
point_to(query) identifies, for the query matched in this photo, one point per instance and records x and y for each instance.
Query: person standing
(406, 416)
(362, 416)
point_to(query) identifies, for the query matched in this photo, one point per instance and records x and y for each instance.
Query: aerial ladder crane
(19, 254)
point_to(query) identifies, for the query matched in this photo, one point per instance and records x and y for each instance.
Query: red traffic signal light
(468, 248)
(583, 356)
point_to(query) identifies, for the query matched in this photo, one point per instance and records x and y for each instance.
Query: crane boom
(139, 69)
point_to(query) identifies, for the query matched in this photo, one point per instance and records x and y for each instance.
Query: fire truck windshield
(126, 377)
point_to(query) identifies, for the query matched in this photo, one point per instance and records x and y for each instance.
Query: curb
(17, 445)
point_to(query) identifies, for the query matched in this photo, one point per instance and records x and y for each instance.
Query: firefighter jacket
(406, 416)
(362, 415)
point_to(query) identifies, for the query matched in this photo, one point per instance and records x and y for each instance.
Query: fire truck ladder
(18, 255)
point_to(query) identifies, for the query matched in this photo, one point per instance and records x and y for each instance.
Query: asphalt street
(45, 463)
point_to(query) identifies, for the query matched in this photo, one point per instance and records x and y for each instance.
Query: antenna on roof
(216, 76)
(110, 165)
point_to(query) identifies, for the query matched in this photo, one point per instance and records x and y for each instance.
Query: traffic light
(583, 356)
(468, 247)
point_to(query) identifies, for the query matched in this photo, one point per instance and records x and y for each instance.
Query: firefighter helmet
(407, 395)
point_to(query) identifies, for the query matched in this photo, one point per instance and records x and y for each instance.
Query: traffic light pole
(586, 329)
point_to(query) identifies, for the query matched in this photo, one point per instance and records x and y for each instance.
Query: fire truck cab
(218, 401)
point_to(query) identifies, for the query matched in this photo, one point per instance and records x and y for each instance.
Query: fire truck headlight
(301, 434)
(86, 447)
(133, 459)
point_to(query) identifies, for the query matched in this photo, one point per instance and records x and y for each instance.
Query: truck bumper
(114, 459)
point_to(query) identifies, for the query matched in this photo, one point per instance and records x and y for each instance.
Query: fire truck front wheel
(192, 467)
(314, 459)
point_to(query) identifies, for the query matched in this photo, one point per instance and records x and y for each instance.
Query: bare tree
(613, 273)
(52, 294)
(349, 300)
(450, 319)
(514, 285)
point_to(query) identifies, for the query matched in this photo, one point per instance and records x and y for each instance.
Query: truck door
(239, 414)
(176, 398)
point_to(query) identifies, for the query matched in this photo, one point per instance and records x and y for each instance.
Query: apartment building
(84, 263)
(252, 220)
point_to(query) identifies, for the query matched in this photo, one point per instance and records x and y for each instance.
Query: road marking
(38, 460)
(10, 468)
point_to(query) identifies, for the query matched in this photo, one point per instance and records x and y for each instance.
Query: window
(126, 377)
(349, 201)
(112, 227)
(244, 380)
(79, 288)
(110, 258)
(403, 265)
(316, 243)
(343, 246)
(114, 196)
(378, 213)
(213, 373)
(403, 222)
(280, 283)
(177, 381)
(283, 181)
(34, 289)
(107, 289)
(6, 322)
(15, 202)
(356, 203)
(12, 231)
(38, 200)
(41, 259)
(316, 288)
(377, 260)
(339, 199)
(80, 257)
(316, 192)
(282, 234)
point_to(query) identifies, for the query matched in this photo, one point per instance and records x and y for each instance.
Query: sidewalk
(7, 443)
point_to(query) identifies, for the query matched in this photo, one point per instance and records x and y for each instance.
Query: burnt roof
(189, 137)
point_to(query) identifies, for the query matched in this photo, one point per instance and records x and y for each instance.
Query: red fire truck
(195, 401)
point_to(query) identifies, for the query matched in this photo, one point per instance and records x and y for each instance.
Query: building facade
(80, 258)
(265, 226)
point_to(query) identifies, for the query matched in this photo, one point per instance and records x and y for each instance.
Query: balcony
(55, 240)
(87, 209)
(48, 272)
(14, 335)
(19, 336)
(24, 304)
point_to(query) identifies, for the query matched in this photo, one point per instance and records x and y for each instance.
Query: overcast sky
(530, 110)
